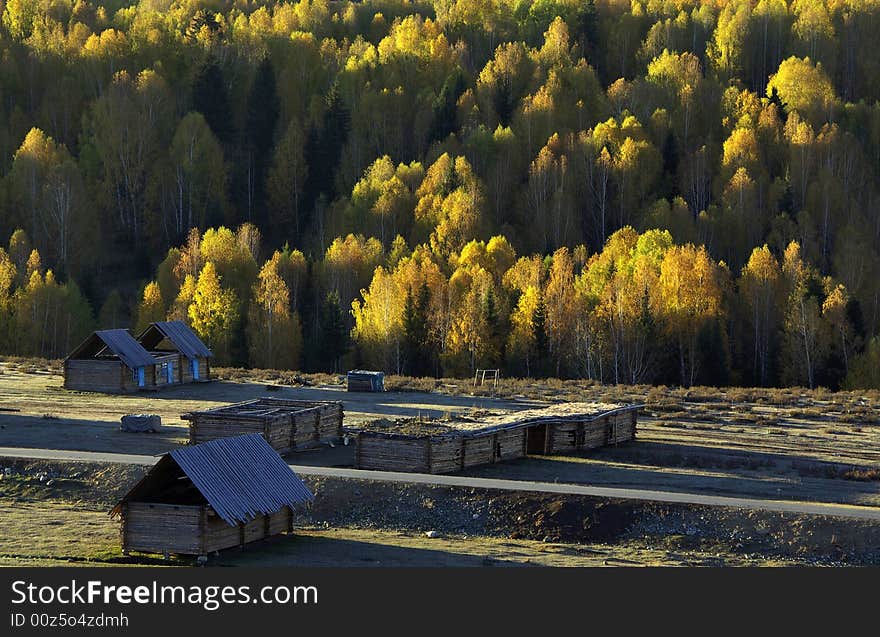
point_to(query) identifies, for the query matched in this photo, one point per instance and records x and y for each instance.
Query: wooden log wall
(567, 436)
(297, 425)
(108, 376)
(161, 528)
(447, 454)
(193, 530)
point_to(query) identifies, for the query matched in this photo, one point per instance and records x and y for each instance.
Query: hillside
(648, 192)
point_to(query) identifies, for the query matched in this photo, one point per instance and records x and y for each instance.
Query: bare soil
(789, 444)
(54, 513)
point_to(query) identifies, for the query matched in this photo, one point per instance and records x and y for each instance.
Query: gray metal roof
(241, 477)
(122, 343)
(184, 339)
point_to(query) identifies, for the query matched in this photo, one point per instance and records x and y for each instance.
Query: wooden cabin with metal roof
(110, 361)
(211, 496)
(186, 359)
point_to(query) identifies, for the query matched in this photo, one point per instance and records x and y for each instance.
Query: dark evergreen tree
(324, 149)
(502, 100)
(493, 329)
(714, 367)
(260, 123)
(539, 327)
(417, 351)
(211, 98)
(335, 340)
(445, 104)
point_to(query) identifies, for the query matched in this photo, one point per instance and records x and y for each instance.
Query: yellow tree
(691, 287)
(760, 289)
(214, 311)
(562, 309)
(151, 308)
(274, 337)
(834, 311)
(521, 340)
(378, 321)
(803, 345)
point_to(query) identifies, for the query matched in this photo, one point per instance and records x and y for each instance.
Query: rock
(137, 423)
(432, 534)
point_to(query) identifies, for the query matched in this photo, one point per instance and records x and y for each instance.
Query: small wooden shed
(287, 425)
(363, 380)
(469, 441)
(181, 355)
(110, 361)
(208, 497)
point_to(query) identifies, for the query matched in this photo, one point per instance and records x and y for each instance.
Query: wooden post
(428, 452)
(291, 423)
(548, 438)
(124, 529)
(357, 451)
(290, 519)
(203, 529)
(463, 447)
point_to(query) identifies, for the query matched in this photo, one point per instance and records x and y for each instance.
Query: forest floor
(780, 444)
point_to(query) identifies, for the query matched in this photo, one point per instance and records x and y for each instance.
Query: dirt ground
(41, 534)
(780, 444)
(57, 514)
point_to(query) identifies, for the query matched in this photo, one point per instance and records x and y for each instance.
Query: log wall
(298, 425)
(450, 453)
(162, 528)
(108, 376)
(193, 530)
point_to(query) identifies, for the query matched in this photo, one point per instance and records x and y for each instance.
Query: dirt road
(669, 497)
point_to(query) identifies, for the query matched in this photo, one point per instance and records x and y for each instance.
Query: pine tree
(335, 340)
(324, 150)
(444, 107)
(262, 117)
(415, 332)
(492, 321)
(539, 325)
(211, 99)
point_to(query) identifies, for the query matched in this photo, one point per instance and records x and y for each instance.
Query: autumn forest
(680, 192)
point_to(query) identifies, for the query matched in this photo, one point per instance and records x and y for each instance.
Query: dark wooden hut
(110, 361)
(363, 380)
(287, 425)
(208, 497)
(449, 446)
(181, 356)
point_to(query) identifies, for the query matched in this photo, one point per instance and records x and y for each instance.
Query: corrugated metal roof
(122, 343)
(184, 338)
(241, 477)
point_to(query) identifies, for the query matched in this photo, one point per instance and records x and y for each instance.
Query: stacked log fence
(287, 425)
(453, 451)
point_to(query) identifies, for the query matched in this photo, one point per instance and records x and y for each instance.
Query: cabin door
(141, 377)
(195, 367)
(170, 372)
(536, 439)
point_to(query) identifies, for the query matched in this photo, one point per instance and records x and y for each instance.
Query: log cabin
(181, 355)
(110, 361)
(208, 497)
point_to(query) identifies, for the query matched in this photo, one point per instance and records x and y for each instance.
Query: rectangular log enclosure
(287, 425)
(449, 446)
(212, 496)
